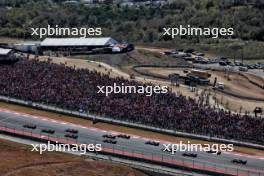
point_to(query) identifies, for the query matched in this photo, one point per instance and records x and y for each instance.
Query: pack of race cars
(70, 133)
(111, 139)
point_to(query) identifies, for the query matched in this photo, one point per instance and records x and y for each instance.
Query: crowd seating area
(76, 89)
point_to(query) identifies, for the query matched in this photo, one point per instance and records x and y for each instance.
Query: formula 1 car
(109, 136)
(239, 161)
(30, 126)
(123, 136)
(155, 143)
(214, 152)
(71, 131)
(73, 136)
(193, 155)
(109, 141)
(48, 131)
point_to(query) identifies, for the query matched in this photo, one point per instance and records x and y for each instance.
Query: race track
(136, 144)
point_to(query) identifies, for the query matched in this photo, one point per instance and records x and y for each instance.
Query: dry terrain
(237, 84)
(135, 57)
(19, 160)
(257, 79)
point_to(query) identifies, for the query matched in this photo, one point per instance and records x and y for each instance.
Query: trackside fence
(94, 117)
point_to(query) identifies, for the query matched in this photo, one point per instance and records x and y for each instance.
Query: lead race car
(239, 161)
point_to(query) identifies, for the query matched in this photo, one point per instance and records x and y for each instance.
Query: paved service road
(135, 144)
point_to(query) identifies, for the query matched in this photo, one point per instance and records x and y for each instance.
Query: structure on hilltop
(73, 46)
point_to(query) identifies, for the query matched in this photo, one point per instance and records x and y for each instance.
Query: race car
(193, 155)
(71, 131)
(239, 161)
(214, 152)
(48, 131)
(73, 136)
(30, 126)
(123, 136)
(109, 136)
(109, 141)
(155, 143)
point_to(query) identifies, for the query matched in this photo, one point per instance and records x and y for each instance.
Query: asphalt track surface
(136, 144)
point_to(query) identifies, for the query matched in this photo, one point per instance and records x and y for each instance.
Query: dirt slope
(18, 160)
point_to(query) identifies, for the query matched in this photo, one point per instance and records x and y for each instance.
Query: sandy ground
(235, 104)
(257, 79)
(118, 128)
(153, 49)
(78, 63)
(19, 160)
(237, 84)
(81, 63)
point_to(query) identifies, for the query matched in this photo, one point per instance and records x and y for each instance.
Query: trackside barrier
(128, 124)
(139, 155)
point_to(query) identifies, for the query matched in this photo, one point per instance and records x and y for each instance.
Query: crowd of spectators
(76, 89)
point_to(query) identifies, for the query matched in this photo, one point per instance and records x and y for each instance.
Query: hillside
(18, 160)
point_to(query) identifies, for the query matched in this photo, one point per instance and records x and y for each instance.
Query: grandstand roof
(4, 51)
(78, 41)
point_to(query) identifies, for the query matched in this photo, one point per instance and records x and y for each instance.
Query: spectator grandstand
(76, 89)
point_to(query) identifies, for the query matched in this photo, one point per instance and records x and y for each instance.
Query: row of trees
(143, 24)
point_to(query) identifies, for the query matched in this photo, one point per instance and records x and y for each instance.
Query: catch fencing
(94, 117)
